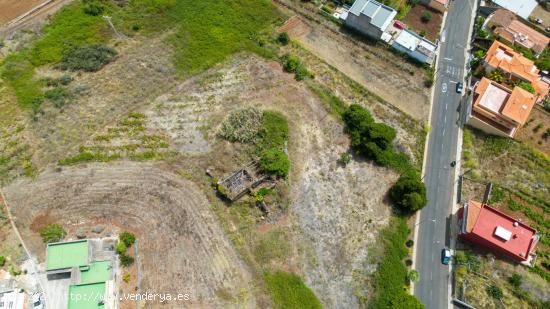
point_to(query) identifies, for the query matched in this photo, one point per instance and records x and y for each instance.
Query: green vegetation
(2, 261)
(52, 233)
(275, 162)
(409, 193)
(374, 140)
(497, 195)
(273, 246)
(120, 248)
(336, 107)
(526, 86)
(88, 58)
(293, 64)
(426, 17)
(390, 278)
(543, 61)
(496, 75)
(345, 158)
(126, 260)
(494, 291)
(283, 38)
(430, 77)
(126, 278)
(274, 132)
(289, 291)
(57, 96)
(127, 238)
(515, 280)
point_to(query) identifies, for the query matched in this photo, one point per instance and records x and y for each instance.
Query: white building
(12, 299)
(415, 46)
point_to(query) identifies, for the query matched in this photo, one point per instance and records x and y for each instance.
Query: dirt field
(377, 70)
(431, 28)
(532, 132)
(182, 249)
(540, 12)
(10, 9)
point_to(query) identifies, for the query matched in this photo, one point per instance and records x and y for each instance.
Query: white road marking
(443, 131)
(453, 82)
(449, 59)
(444, 87)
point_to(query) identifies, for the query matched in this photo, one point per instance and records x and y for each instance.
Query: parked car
(459, 87)
(538, 21)
(446, 256)
(37, 302)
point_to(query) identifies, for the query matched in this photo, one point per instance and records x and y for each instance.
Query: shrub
(460, 258)
(120, 248)
(497, 75)
(88, 58)
(546, 134)
(2, 261)
(283, 38)
(65, 79)
(275, 162)
(515, 280)
(409, 243)
(527, 86)
(289, 291)
(537, 128)
(126, 260)
(513, 205)
(413, 276)
(293, 64)
(57, 96)
(52, 233)
(426, 17)
(345, 158)
(242, 125)
(494, 291)
(127, 238)
(126, 278)
(409, 193)
(430, 78)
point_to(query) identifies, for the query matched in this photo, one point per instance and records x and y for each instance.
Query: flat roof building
(523, 8)
(494, 230)
(415, 46)
(370, 17)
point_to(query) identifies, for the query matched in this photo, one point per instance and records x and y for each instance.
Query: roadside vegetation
(52, 233)
(289, 291)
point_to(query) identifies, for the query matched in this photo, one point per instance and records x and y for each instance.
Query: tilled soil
(182, 248)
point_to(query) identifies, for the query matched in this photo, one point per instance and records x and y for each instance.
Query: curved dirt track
(182, 248)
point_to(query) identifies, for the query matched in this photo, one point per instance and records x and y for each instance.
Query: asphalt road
(433, 288)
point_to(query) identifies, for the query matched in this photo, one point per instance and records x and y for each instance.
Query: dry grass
(431, 28)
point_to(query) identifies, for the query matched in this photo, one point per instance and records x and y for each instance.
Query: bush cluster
(88, 58)
(126, 240)
(57, 96)
(275, 162)
(283, 38)
(52, 233)
(293, 64)
(2, 261)
(289, 291)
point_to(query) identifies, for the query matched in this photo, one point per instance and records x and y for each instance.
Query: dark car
(459, 87)
(446, 256)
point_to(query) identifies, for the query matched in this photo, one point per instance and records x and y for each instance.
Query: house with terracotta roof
(516, 67)
(487, 227)
(498, 110)
(506, 26)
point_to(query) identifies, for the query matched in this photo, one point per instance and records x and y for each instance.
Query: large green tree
(409, 193)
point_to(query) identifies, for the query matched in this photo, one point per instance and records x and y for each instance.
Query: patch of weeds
(273, 245)
(293, 64)
(274, 132)
(52, 233)
(287, 290)
(242, 125)
(497, 195)
(334, 105)
(57, 96)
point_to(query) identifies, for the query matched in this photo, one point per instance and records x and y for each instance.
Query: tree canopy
(409, 193)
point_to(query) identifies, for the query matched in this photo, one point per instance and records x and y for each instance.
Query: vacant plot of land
(378, 70)
(431, 28)
(182, 248)
(536, 132)
(13, 8)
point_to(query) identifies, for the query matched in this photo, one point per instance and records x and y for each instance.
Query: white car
(37, 302)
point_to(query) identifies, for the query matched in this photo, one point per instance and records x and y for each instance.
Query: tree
(409, 193)
(127, 238)
(283, 38)
(120, 248)
(426, 17)
(275, 162)
(52, 233)
(356, 117)
(126, 260)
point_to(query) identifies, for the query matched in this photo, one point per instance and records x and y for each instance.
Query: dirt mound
(181, 247)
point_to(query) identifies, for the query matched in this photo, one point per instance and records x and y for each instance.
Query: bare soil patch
(431, 28)
(378, 70)
(13, 8)
(182, 248)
